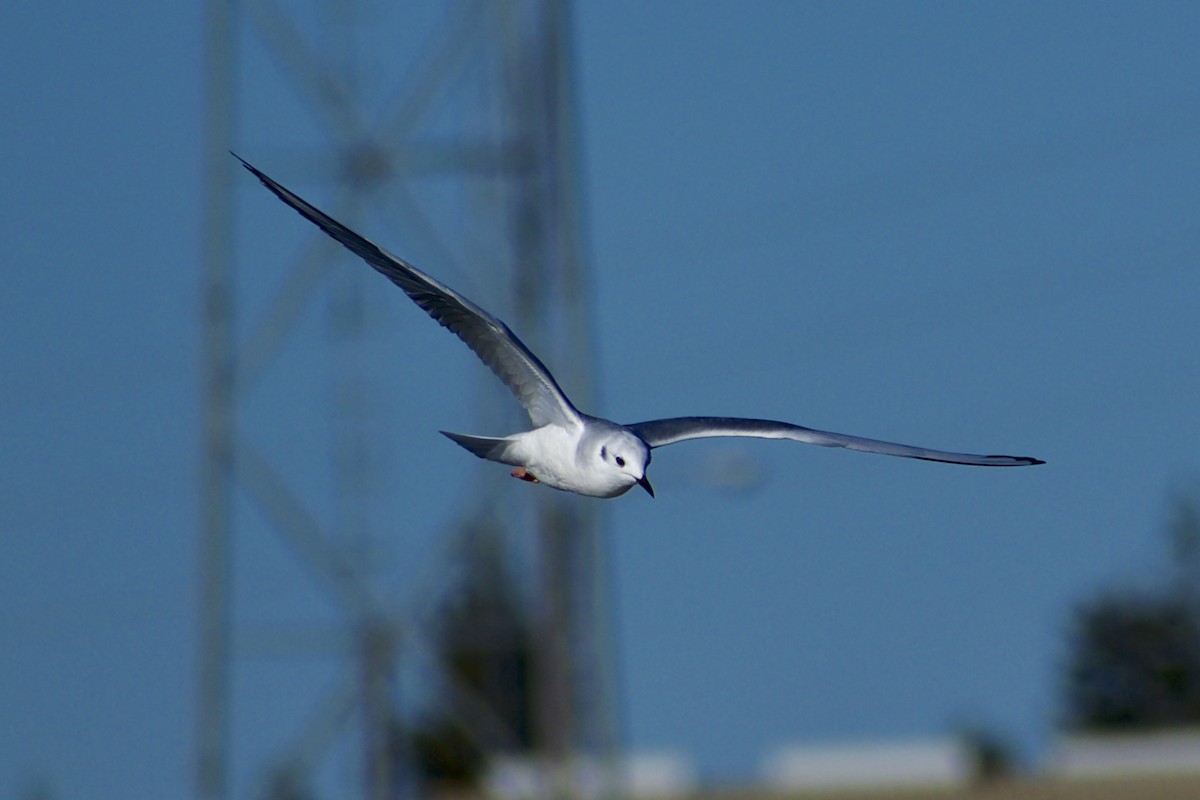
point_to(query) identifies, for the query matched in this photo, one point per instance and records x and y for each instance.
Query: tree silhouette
(484, 642)
(1136, 664)
(1135, 655)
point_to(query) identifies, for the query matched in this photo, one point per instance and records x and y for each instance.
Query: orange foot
(520, 472)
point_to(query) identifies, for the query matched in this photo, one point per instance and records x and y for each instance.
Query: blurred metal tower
(476, 139)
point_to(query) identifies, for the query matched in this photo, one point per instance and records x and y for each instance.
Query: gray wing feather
(497, 346)
(660, 432)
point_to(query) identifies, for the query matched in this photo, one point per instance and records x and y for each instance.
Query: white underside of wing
(491, 340)
(658, 433)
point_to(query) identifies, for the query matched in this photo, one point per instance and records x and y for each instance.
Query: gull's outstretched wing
(497, 346)
(659, 432)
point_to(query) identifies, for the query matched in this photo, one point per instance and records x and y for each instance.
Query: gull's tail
(491, 448)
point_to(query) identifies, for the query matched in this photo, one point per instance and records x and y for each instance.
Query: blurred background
(238, 560)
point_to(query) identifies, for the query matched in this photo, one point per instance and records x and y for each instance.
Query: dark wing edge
(661, 432)
(490, 339)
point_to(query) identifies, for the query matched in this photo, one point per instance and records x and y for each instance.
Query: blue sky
(962, 226)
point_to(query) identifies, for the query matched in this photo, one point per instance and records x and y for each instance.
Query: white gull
(567, 449)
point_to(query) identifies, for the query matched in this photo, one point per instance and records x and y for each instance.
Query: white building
(635, 775)
(948, 762)
(1125, 754)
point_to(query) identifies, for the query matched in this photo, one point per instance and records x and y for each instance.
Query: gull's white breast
(551, 454)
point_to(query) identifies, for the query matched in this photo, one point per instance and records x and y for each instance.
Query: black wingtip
(300, 206)
(253, 170)
(1022, 461)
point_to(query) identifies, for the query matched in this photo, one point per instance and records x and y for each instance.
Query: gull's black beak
(644, 482)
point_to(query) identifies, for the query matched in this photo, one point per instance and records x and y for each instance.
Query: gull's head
(623, 457)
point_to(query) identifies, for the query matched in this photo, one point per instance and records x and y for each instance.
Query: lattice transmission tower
(331, 536)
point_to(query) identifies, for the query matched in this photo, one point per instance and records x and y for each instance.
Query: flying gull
(567, 449)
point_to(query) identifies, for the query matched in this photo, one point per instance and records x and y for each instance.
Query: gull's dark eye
(620, 461)
(604, 453)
